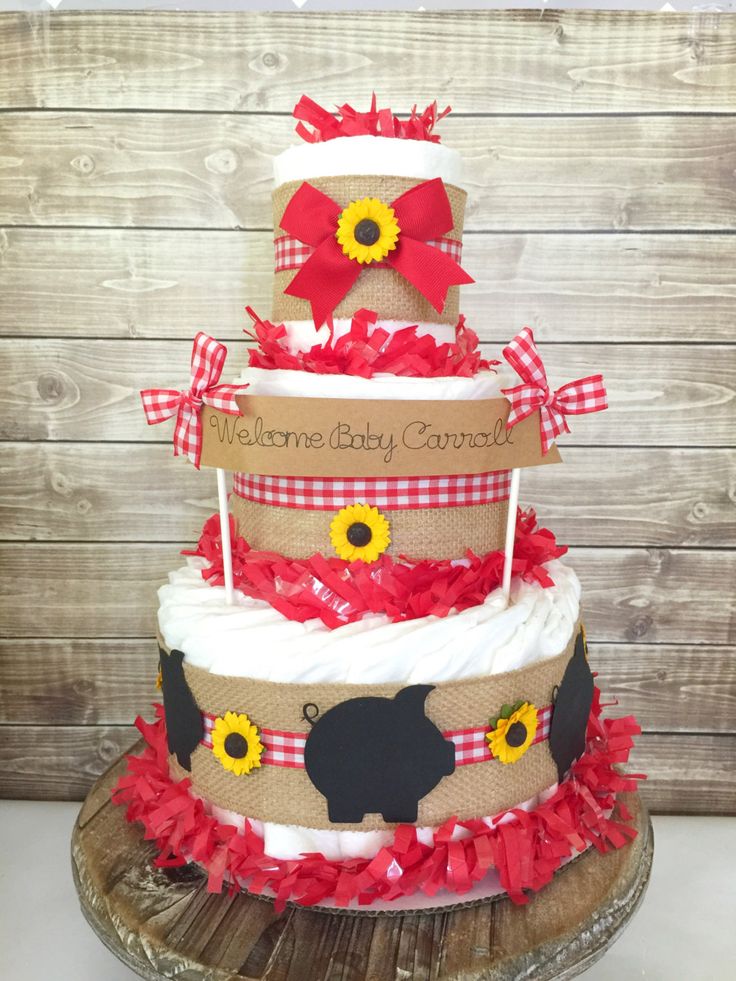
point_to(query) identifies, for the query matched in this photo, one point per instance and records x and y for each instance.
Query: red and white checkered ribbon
(290, 253)
(280, 748)
(471, 745)
(160, 404)
(287, 748)
(575, 398)
(331, 494)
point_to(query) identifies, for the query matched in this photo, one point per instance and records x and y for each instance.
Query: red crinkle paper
(365, 352)
(525, 851)
(339, 592)
(345, 121)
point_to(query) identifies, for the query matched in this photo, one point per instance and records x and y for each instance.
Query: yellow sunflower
(367, 230)
(160, 679)
(236, 744)
(512, 731)
(359, 531)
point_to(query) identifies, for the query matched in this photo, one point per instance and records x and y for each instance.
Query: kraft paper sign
(303, 437)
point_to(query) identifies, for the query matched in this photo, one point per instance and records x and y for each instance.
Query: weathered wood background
(134, 210)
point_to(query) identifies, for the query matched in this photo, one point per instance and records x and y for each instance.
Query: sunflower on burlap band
(298, 522)
(285, 794)
(379, 287)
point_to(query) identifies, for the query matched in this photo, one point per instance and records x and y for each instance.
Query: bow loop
(424, 212)
(160, 404)
(574, 398)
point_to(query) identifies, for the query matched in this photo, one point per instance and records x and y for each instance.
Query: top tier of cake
(368, 155)
(350, 169)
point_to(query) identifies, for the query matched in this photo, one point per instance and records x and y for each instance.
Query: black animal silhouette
(184, 726)
(571, 710)
(377, 755)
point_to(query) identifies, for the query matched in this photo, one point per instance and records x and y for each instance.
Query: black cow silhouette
(377, 756)
(184, 725)
(571, 710)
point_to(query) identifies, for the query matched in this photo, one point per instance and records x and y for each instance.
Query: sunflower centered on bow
(367, 230)
(236, 743)
(513, 731)
(359, 531)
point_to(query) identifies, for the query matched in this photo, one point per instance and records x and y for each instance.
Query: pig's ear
(413, 697)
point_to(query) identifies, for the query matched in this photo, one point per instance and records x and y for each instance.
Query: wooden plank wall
(134, 181)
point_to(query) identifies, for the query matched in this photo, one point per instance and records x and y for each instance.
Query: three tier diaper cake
(373, 666)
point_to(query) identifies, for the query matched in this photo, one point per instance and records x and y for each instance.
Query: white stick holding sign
(510, 534)
(227, 551)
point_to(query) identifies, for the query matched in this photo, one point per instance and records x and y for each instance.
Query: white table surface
(685, 929)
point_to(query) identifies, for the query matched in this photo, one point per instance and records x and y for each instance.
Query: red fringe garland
(364, 353)
(525, 852)
(346, 121)
(339, 592)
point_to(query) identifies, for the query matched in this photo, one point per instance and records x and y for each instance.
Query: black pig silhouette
(572, 708)
(184, 726)
(377, 755)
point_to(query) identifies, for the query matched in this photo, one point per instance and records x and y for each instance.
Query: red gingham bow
(575, 398)
(159, 404)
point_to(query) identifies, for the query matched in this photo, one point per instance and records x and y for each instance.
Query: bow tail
(325, 279)
(429, 270)
(188, 434)
(552, 423)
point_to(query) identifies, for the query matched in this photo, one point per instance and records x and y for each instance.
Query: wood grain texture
(512, 61)
(670, 688)
(686, 773)
(73, 492)
(113, 283)
(57, 389)
(215, 171)
(102, 590)
(58, 762)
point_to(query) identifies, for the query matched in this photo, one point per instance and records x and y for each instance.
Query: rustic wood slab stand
(164, 923)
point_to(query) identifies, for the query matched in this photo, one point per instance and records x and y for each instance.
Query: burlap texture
(287, 796)
(421, 533)
(378, 288)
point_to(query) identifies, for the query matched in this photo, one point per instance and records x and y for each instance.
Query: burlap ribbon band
(447, 534)
(378, 287)
(286, 796)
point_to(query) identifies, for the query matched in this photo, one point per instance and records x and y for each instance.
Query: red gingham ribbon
(160, 404)
(575, 398)
(290, 253)
(331, 494)
(287, 748)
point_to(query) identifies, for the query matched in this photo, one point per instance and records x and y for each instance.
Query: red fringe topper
(346, 121)
(365, 352)
(525, 851)
(340, 592)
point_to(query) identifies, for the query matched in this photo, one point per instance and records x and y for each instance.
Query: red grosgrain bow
(423, 214)
(159, 404)
(575, 398)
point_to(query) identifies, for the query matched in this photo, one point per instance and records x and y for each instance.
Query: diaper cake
(373, 667)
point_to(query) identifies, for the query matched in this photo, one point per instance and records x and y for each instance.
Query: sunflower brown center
(367, 232)
(516, 734)
(359, 534)
(236, 745)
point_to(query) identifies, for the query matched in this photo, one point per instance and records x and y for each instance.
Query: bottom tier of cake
(517, 853)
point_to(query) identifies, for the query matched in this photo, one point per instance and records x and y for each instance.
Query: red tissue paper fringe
(339, 592)
(324, 125)
(364, 352)
(525, 851)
